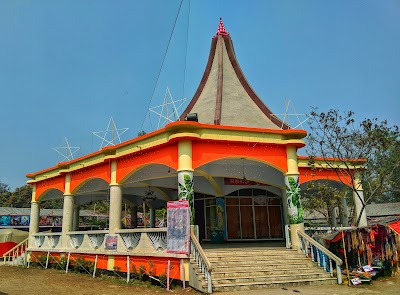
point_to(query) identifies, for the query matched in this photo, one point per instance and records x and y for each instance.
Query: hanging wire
(186, 50)
(162, 65)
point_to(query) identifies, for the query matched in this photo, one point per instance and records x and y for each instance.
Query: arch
(204, 152)
(164, 155)
(51, 193)
(81, 176)
(249, 169)
(268, 193)
(330, 182)
(160, 171)
(268, 188)
(90, 185)
(307, 174)
(57, 182)
(212, 182)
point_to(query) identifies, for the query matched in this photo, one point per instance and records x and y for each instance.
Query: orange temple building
(234, 161)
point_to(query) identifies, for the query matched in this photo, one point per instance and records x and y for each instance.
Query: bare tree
(366, 153)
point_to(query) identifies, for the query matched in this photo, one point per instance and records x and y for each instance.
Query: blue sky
(66, 67)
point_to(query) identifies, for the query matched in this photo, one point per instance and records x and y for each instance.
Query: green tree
(368, 150)
(21, 197)
(321, 197)
(99, 207)
(52, 204)
(4, 194)
(4, 188)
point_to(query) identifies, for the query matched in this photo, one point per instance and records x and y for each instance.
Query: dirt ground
(27, 281)
(380, 286)
(18, 280)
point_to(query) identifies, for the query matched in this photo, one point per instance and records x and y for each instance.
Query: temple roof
(224, 96)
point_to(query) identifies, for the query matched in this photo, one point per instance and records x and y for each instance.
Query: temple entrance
(250, 214)
(253, 218)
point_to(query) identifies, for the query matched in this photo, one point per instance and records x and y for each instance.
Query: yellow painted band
(110, 263)
(185, 155)
(34, 192)
(291, 152)
(67, 189)
(113, 171)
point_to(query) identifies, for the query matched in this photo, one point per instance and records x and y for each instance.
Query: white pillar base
(294, 236)
(68, 212)
(34, 221)
(75, 221)
(115, 208)
(358, 201)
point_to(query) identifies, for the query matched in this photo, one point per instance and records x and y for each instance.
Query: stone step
(217, 263)
(272, 284)
(250, 266)
(253, 268)
(249, 251)
(255, 256)
(266, 265)
(228, 273)
(269, 278)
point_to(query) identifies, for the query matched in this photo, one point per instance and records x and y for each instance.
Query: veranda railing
(320, 254)
(201, 259)
(16, 251)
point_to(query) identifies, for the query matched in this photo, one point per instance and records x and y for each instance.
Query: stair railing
(320, 254)
(201, 259)
(16, 251)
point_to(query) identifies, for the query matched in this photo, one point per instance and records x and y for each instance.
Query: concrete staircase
(237, 269)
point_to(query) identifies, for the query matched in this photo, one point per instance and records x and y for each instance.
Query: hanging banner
(16, 220)
(5, 220)
(25, 220)
(178, 227)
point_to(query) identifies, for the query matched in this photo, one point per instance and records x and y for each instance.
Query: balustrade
(318, 253)
(152, 240)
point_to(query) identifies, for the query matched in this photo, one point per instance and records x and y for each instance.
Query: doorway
(250, 214)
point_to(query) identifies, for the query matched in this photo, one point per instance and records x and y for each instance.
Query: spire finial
(221, 29)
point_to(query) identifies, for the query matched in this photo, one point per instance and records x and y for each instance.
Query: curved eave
(177, 131)
(290, 133)
(328, 163)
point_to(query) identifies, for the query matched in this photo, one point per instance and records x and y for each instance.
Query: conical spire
(224, 96)
(221, 29)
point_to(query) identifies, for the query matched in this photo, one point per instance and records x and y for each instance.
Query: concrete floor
(244, 244)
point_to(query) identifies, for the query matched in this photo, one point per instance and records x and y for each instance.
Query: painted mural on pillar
(220, 208)
(186, 192)
(295, 211)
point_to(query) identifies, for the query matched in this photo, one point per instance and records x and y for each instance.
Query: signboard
(46, 220)
(178, 227)
(111, 242)
(14, 220)
(237, 181)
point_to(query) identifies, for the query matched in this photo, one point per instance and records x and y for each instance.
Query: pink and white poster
(178, 227)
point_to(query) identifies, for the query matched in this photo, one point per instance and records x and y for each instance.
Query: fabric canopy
(12, 235)
(395, 226)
